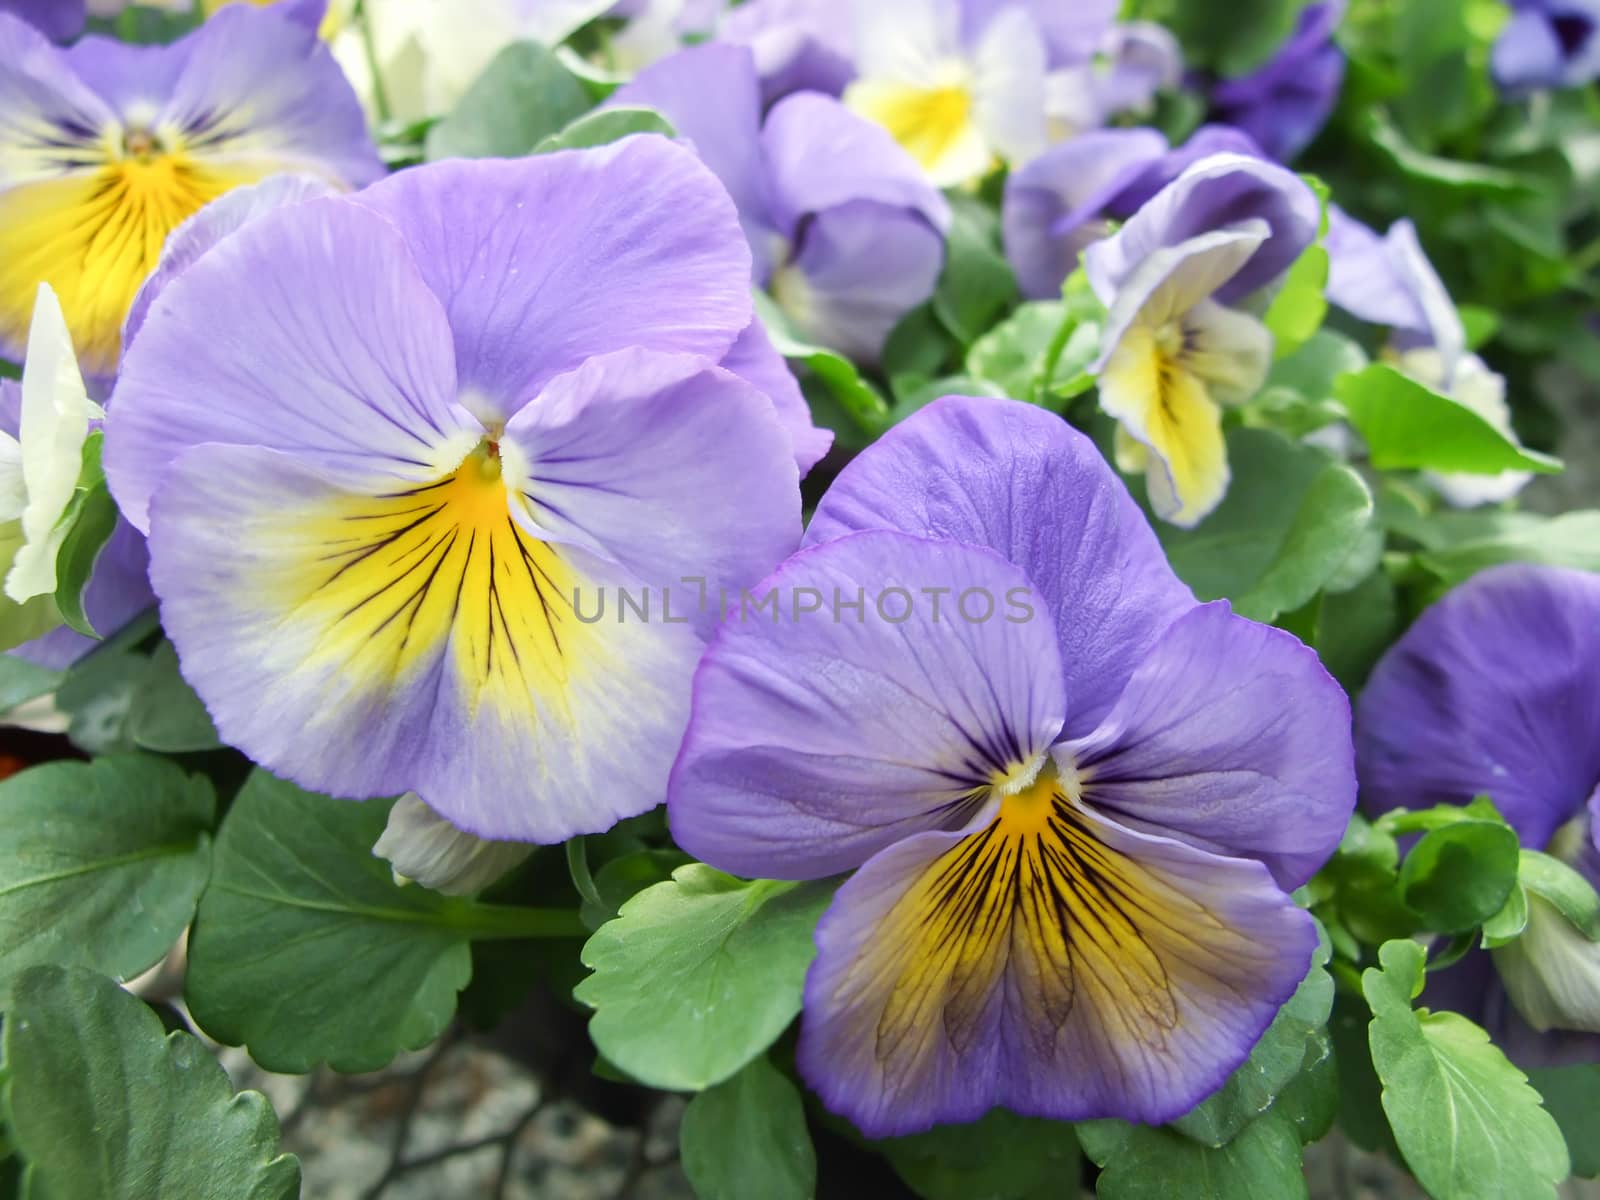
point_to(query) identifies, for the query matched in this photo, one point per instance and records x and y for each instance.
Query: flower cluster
(908, 494)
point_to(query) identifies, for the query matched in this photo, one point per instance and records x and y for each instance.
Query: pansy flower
(1074, 800)
(1493, 691)
(1548, 44)
(395, 453)
(1065, 199)
(959, 83)
(1285, 102)
(1174, 350)
(844, 228)
(799, 45)
(106, 148)
(1134, 61)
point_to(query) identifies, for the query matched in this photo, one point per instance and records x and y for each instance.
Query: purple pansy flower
(1074, 799)
(844, 228)
(107, 147)
(1284, 103)
(1548, 44)
(1173, 351)
(59, 20)
(799, 45)
(1133, 62)
(1493, 691)
(1061, 202)
(393, 451)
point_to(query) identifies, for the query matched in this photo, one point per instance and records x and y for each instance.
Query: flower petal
(1025, 484)
(1231, 736)
(861, 267)
(1061, 967)
(365, 640)
(1491, 691)
(753, 357)
(310, 330)
(592, 269)
(664, 465)
(822, 734)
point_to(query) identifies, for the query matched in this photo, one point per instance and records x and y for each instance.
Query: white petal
(55, 422)
(1230, 351)
(1009, 86)
(423, 847)
(907, 41)
(1552, 972)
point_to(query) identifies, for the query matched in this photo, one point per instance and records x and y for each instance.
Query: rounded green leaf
(1460, 876)
(523, 96)
(306, 951)
(699, 975)
(1001, 1155)
(604, 126)
(104, 1105)
(100, 863)
(747, 1137)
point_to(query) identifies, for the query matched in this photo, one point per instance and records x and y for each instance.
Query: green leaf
(1568, 891)
(523, 96)
(306, 951)
(1507, 924)
(34, 617)
(1465, 178)
(624, 877)
(1274, 1062)
(170, 717)
(1012, 356)
(100, 863)
(1232, 36)
(1355, 627)
(1570, 540)
(699, 975)
(1314, 368)
(1569, 1095)
(1291, 517)
(1143, 1163)
(858, 398)
(747, 1137)
(1409, 426)
(1297, 311)
(604, 126)
(1000, 1155)
(89, 519)
(99, 694)
(976, 285)
(21, 681)
(104, 1105)
(1465, 1119)
(1457, 877)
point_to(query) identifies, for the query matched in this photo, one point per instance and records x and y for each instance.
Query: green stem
(1052, 355)
(380, 96)
(578, 868)
(1346, 976)
(505, 922)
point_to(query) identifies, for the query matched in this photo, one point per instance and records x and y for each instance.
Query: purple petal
(1231, 736)
(711, 96)
(859, 268)
(262, 86)
(310, 330)
(663, 465)
(1491, 691)
(129, 76)
(359, 650)
(39, 96)
(58, 20)
(1389, 281)
(821, 735)
(1025, 484)
(1285, 103)
(1202, 143)
(753, 357)
(799, 45)
(1052, 204)
(1078, 971)
(1214, 193)
(820, 154)
(228, 214)
(1528, 53)
(631, 244)
(1072, 32)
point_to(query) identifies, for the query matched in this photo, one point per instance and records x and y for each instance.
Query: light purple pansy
(1493, 692)
(1284, 103)
(844, 229)
(1548, 44)
(1134, 62)
(1074, 800)
(59, 20)
(1388, 280)
(1062, 201)
(103, 137)
(387, 488)
(1178, 344)
(799, 45)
